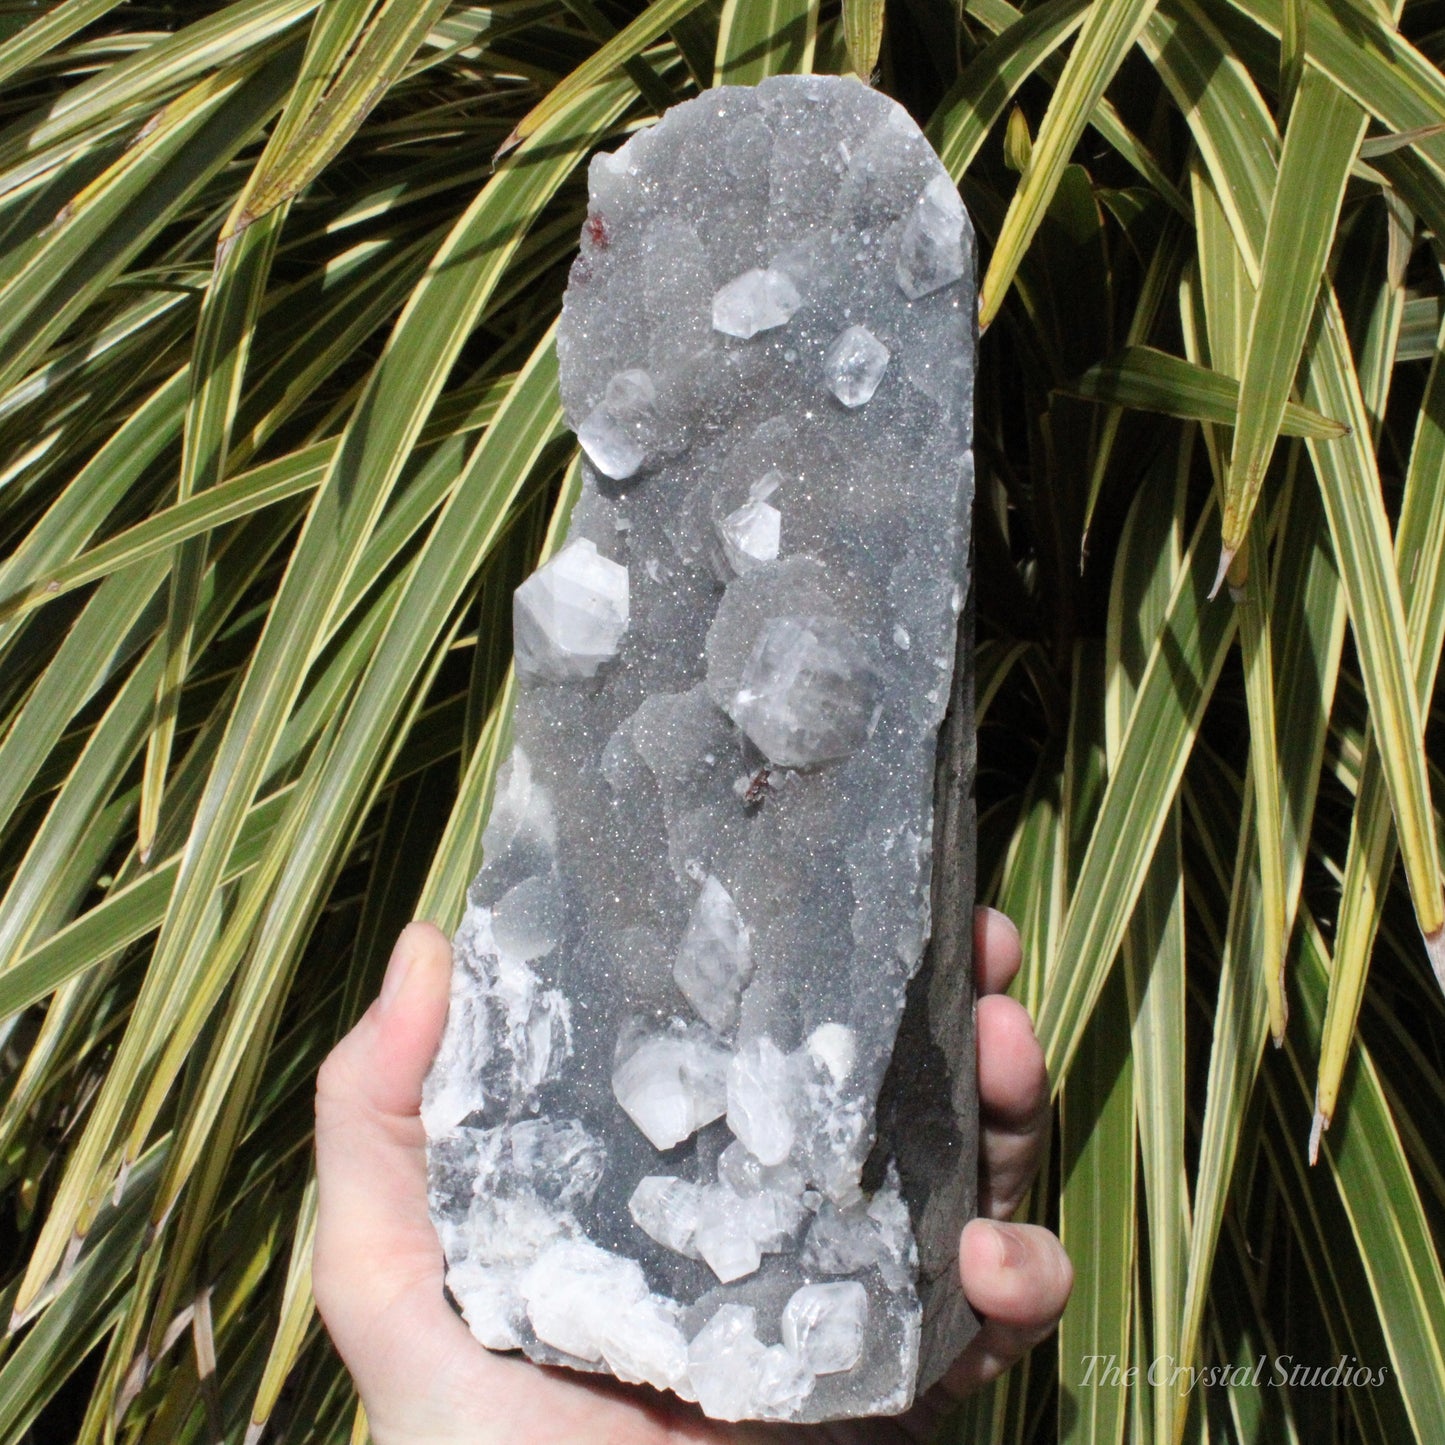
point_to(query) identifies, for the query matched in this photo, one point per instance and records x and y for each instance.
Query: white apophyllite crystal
(644, 1345)
(854, 365)
(489, 1303)
(737, 1376)
(841, 1243)
(516, 1188)
(595, 1305)
(527, 919)
(751, 535)
(761, 1084)
(809, 693)
(775, 1217)
(742, 1172)
(725, 1237)
(670, 1085)
(571, 1291)
(610, 446)
(557, 1158)
(523, 821)
(630, 395)
(931, 251)
(758, 300)
(715, 961)
(500, 999)
(766, 485)
(823, 1325)
(667, 1209)
(615, 433)
(570, 615)
(835, 1046)
(735, 1228)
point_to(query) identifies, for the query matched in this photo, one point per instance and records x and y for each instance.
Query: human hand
(377, 1268)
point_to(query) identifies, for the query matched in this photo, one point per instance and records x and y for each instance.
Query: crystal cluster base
(702, 1116)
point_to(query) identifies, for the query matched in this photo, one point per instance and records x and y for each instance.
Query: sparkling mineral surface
(703, 1113)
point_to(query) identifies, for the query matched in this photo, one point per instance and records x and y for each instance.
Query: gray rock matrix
(704, 1113)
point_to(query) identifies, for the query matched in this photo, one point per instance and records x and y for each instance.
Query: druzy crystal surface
(702, 1114)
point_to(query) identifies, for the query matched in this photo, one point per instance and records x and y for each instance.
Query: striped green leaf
(1185, 657)
(1148, 380)
(47, 31)
(1153, 959)
(573, 91)
(759, 38)
(357, 51)
(347, 505)
(1108, 33)
(1420, 558)
(863, 30)
(1319, 147)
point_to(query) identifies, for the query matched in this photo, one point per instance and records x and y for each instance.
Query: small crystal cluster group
(669, 1134)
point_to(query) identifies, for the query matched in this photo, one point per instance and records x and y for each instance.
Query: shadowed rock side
(705, 911)
(927, 1117)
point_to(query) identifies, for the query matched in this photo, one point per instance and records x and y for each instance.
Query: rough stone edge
(928, 1107)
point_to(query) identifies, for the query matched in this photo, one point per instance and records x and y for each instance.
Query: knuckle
(335, 1079)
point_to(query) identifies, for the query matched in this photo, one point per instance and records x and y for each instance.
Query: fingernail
(999, 916)
(1011, 1251)
(397, 968)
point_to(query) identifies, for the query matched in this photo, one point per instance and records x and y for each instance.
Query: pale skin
(426, 1381)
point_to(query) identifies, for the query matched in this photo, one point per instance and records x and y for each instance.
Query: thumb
(377, 1263)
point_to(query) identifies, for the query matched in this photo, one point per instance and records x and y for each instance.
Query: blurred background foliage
(279, 433)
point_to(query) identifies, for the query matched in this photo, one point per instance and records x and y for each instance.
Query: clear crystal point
(751, 535)
(571, 1291)
(758, 300)
(737, 1376)
(761, 1085)
(670, 1085)
(809, 694)
(615, 432)
(854, 365)
(931, 249)
(726, 1239)
(643, 1344)
(715, 960)
(743, 1173)
(668, 1209)
(823, 1325)
(569, 616)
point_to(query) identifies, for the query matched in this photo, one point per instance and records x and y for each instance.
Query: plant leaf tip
(226, 245)
(122, 1178)
(987, 306)
(1435, 947)
(134, 1383)
(1317, 1129)
(1226, 557)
